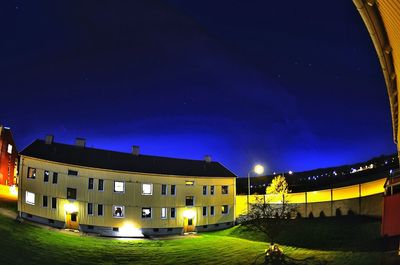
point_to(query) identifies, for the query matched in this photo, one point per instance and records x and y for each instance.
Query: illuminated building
(8, 157)
(123, 194)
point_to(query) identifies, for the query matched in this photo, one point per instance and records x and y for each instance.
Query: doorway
(71, 221)
(189, 225)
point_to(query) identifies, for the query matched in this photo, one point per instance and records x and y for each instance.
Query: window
(71, 193)
(146, 212)
(9, 149)
(164, 213)
(101, 184)
(396, 189)
(172, 213)
(46, 176)
(90, 184)
(72, 172)
(173, 189)
(224, 189)
(55, 177)
(212, 190)
(163, 189)
(224, 209)
(212, 210)
(189, 200)
(44, 201)
(119, 186)
(54, 203)
(100, 210)
(90, 208)
(30, 198)
(204, 210)
(147, 189)
(118, 211)
(31, 173)
(204, 190)
(189, 182)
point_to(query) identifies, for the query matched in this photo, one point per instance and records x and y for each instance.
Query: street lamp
(258, 169)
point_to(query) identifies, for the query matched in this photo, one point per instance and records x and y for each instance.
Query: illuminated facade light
(70, 208)
(129, 230)
(189, 214)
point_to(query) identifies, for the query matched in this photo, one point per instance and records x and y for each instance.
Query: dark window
(51, 221)
(100, 210)
(212, 190)
(90, 227)
(224, 209)
(72, 172)
(216, 225)
(46, 176)
(189, 200)
(169, 229)
(90, 208)
(71, 193)
(146, 212)
(396, 189)
(156, 229)
(205, 226)
(204, 190)
(190, 221)
(115, 229)
(54, 203)
(55, 177)
(101, 184)
(73, 217)
(163, 189)
(90, 184)
(204, 211)
(45, 202)
(31, 173)
(172, 213)
(211, 210)
(224, 189)
(173, 189)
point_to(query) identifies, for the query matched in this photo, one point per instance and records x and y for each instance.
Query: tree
(269, 218)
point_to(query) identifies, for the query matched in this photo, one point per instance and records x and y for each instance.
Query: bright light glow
(147, 189)
(259, 169)
(9, 149)
(14, 190)
(164, 213)
(290, 172)
(189, 182)
(129, 230)
(189, 214)
(119, 186)
(70, 208)
(30, 198)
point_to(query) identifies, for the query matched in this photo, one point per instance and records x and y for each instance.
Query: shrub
(322, 214)
(338, 212)
(298, 215)
(311, 215)
(350, 212)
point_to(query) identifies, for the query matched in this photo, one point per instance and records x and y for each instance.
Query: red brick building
(8, 157)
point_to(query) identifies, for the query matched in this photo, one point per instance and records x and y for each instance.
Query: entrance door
(189, 225)
(71, 221)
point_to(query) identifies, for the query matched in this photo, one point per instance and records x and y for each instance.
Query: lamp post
(258, 169)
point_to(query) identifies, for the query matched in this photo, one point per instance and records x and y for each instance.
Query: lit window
(44, 202)
(30, 198)
(55, 177)
(91, 184)
(204, 190)
(189, 200)
(118, 211)
(164, 213)
(204, 210)
(71, 193)
(9, 149)
(212, 190)
(46, 176)
(163, 189)
(212, 210)
(172, 213)
(90, 208)
(101, 185)
(189, 182)
(173, 189)
(224, 209)
(147, 189)
(100, 210)
(224, 189)
(31, 173)
(146, 212)
(119, 186)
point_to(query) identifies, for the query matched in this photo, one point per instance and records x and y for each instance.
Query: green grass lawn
(28, 244)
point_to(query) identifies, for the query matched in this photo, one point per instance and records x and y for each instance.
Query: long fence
(364, 198)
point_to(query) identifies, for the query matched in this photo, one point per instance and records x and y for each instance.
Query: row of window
(119, 186)
(30, 199)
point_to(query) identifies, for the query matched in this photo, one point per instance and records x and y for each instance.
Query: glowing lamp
(70, 208)
(189, 214)
(129, 230)
(259, 169)
(14, 190)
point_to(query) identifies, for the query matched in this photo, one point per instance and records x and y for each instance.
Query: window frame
(166, 212)
(53, 203)
(212, 190)
(30, 195)
(151, 213)
(205, 190)
(102, 209)
(102, 185)
(174, 189)
(46, 176)
(73, 191)
(186, 200)
(172, 210)
(151, 189)
(166, 189)
(92, 187)
(47, 201)
(90, 207)
(227, 209)
(114, 208)
(222, 189)
(206, 212)
(55, 177)
(212, 210)
(33, 175)
(123, 186)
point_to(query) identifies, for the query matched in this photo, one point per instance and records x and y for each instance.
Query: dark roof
(105, 159)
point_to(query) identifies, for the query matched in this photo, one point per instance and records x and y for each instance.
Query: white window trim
(194, 201)
(151, 214)
(92, 189)
(98, 181)
(206, 190)
(213, 193)
(166, 213)
(98, 210)
(90, 214)
(166, 190)
(113, 207)
(151, 189)
(30, 194)
(47, 201)
(123, 183)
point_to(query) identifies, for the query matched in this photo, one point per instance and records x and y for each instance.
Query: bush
(350, 212)
(311, 215)
(338, 212)
(322, 214)
(298, 215)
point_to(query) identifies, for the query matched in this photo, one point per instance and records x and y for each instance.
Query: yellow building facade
(101, 193)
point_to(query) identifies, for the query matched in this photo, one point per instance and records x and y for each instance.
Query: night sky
(295, 85)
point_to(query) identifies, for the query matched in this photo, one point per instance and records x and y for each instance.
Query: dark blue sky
(294, 85)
